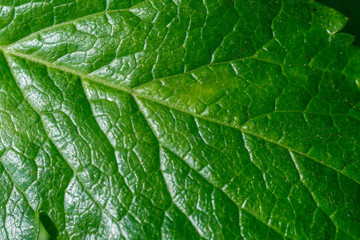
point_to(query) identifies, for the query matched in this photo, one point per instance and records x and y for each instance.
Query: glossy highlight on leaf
(178, 119)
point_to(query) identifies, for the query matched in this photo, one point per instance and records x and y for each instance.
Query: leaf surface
(186, 119)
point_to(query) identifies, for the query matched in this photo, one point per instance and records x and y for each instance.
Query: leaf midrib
(8, 52)
(134, 93)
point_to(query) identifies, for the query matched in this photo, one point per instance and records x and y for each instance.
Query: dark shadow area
(49, 225)
(351, 9)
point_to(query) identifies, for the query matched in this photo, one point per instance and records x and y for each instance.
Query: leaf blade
(267, 109)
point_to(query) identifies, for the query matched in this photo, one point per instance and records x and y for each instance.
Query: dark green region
(47, 228)
(351, 9)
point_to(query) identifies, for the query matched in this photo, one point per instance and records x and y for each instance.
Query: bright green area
(183, 119)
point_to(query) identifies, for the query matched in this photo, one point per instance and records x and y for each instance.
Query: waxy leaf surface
(182, 119)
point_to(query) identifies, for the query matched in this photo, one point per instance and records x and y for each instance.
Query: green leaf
(351, 10)
(186, 119)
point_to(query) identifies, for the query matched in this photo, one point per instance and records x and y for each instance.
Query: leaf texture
(159, 119)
